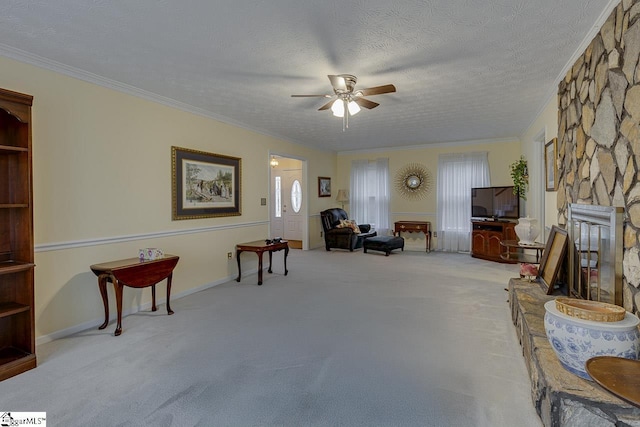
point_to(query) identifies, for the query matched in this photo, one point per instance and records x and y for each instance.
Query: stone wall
(599, 133)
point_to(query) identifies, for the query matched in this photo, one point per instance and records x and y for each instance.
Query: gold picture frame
(551, 165)
(204, 185)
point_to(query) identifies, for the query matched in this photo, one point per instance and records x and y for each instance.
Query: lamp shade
(342, 196)
(354, 108)
(338, 108)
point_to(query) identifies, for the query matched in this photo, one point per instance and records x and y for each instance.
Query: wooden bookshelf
(17, 317)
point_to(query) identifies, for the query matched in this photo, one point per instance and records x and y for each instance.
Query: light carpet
(346, 339)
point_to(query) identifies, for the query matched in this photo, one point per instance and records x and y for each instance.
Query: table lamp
(342, 197)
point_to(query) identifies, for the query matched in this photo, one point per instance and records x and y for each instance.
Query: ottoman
(383, 244)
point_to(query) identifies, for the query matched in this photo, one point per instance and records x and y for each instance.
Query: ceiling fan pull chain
(346, 115)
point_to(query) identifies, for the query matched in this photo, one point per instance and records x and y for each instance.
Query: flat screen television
(495, 203)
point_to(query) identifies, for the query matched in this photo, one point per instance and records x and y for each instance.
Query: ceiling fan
(346, 100)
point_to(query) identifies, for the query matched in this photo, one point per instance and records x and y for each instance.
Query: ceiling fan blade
(326, 106)
(378, 90)
(311, 96)
(365, 103)
(338, 82)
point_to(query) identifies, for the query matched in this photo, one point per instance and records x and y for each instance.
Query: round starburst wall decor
(413, 181)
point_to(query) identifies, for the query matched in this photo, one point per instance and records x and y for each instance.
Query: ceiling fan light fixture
(354, 108)
(345, 101)
(338, 108)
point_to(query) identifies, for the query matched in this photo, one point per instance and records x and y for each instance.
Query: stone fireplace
(598, 167)
(595, 252)
(599, 134)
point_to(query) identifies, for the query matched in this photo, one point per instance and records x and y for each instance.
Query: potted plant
(520, 176)
(527, 228)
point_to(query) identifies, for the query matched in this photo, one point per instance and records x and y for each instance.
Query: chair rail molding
(57, 246)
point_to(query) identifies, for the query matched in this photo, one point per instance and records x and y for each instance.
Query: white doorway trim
(538, 142)
(305, 197)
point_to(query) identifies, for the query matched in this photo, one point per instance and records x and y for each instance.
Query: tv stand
(486, 236)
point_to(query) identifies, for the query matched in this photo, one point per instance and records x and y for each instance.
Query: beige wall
(541, 204)
(102, 190)
(102, 163)
(501, 154)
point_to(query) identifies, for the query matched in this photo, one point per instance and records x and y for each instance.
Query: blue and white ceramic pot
(575, 340)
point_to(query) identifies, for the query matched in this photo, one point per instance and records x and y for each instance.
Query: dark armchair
(345, 237)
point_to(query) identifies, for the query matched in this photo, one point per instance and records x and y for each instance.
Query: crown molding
(582, 47)
(51, 65)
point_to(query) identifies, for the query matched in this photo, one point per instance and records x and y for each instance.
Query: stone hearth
(560, 397)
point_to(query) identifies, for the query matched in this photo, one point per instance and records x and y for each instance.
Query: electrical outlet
(435, 234)
(229, 255)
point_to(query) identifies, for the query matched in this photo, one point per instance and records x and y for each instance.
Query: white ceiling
(464, 70)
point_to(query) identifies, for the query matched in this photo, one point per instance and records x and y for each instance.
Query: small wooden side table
(617, 375)
(134, 273)
(260, 247)
(414, 226)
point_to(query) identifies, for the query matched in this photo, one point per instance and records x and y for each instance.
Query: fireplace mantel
(560, 397)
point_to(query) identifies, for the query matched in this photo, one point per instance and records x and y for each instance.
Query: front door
(292, 204)
(287, 219)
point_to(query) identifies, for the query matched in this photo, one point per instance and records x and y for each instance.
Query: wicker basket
(590, 310)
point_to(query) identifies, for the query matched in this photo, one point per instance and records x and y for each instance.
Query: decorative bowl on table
(530, 271)
(576, 340)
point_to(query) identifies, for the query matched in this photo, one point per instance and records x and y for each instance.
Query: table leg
(270, 257)
(102, 284)
(153, 298)
(260, 267)
(428, 239)
(238, 252)
(118, 287)
(286, 252)
(169, 311)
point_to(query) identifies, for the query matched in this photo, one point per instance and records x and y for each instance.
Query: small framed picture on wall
(550, 165)
(324, 186)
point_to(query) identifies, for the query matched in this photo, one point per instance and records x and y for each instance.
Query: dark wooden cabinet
(17, 317)
(486, 237)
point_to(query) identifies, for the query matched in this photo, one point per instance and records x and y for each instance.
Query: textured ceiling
(464, 70)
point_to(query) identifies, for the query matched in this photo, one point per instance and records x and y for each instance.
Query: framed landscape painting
(204, 185)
